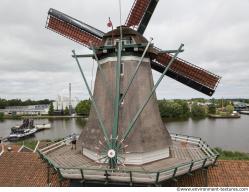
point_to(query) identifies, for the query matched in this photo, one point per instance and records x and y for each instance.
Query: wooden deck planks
(180, 153)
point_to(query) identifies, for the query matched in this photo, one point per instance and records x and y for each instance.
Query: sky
(36, 63)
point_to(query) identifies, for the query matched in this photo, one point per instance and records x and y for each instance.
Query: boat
(43, 126)
(244, 112)
(228, 116)
(21, 133)
(26, 129)
(27, 123)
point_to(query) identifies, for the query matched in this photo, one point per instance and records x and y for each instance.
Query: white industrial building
(26, 110)
(62, 102)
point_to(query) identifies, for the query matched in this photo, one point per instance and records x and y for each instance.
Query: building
(62, 102)
(26, 110)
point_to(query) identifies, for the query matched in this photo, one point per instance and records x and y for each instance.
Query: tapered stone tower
(149, 140)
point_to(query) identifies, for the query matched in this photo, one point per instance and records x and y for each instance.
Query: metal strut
(132, 123)
(135, 72)
(99, 117)
(114, 135)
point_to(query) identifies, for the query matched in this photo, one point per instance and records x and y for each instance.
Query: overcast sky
(36, 63)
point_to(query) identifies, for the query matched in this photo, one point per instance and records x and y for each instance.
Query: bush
(83, 108)
(51, 109)
(212, 109)
(173, 109)
(232, 155)
(198, 112)
(229, 109)
(1, 116)
(66, 111)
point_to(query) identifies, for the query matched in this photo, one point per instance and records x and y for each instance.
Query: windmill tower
(124, 125)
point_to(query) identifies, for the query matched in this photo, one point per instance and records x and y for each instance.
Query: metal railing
(134, 176)
(2, 149)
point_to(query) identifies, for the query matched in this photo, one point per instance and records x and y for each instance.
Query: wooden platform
(187, 154)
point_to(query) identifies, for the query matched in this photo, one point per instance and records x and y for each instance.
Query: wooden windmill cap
(129, 35)
(127, 32)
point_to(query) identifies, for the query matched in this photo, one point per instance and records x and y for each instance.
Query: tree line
(18, 102)
(169, 109)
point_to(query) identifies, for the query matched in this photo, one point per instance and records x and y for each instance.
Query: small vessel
(244, 112)
(26, 129)
(27, 123)
(21, 133)
(43, 126)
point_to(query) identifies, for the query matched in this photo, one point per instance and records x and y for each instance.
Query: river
(230, 134)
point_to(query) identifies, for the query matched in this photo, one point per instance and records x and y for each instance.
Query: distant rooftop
(19, 169)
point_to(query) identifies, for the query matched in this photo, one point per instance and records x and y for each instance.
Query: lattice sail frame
(193, 76)
(137, 12)
(73, 29)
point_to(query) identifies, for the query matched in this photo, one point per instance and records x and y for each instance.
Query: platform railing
(56, 145)
(2, 149)
(134, 176)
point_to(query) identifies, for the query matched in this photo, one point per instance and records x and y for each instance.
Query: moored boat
(244, 112)
(43, 126)
(21, 133)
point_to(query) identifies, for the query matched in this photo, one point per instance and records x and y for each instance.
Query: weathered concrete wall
(149, 133)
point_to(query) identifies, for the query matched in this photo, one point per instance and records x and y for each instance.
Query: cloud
(36, 63)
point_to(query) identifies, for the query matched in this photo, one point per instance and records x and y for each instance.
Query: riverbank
(232, 116)
(43, 117)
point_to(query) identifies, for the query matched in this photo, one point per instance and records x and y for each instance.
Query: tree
(198, 111)
(83, 107)
(51, 109)
(229, 109)
(173, 109)
(3, 103)
(212, 109)
(66, 111)
(1, 116)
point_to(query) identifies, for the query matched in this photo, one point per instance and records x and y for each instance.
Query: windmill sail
(141, 13)
(73, 28)
(187, 73)
(147, 16)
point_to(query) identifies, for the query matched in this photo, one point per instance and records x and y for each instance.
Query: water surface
(230, 134)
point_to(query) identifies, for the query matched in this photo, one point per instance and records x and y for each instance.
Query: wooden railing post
(131, 183)
(174, 175)
(157, 178)
(82, 176)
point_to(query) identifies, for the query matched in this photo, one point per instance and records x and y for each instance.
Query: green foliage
(198, 100)
(229, 109)
(198, 112)
(30, 143)
(18, 102)
(173, 109)
(83, 108)
(212, 109)
(1, 116)
(232, 155)
(51, 109)
(66, 111)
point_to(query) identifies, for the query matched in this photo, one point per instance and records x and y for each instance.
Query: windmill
(124, 124)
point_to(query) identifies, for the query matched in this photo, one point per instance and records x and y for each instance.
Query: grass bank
(232, 155)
